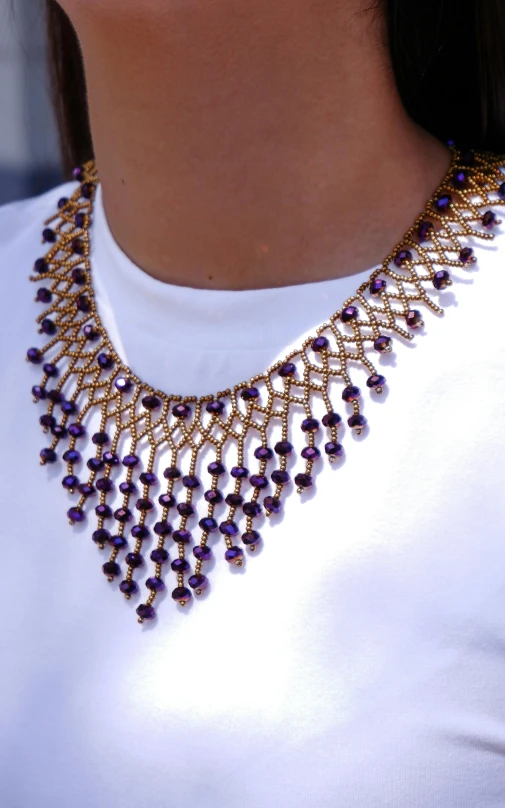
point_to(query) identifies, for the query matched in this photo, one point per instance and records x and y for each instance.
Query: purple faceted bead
(83, 303)
(100, 439)
(86, 490)
(151, 402)
(78, 246)
(185, 509)
(111, 569)
(72, 456)
(163, 528)
(331, 419)
(123, 515)
(47, 421)
(214, 497)
(286, 370)
(349, 314)
(172, 473)
(130, 461)
(357, 421)
(87, 189)
(180, 565)
(148, 478)
(310, 425)
(38, 392)
(155, 584)
(489, 219)
(215, 407)
(234, 555)
(76, 430)
(128, 587)
(159, 555)
(202, 553)
(134, 560)
(123, 384)
(239, 472)
(44, 295)
(466, 255)
(383, 344)
(459, 179)
(216, 469)
(95, 464)
(249, 394)
(283, 448)
(62, 202)
(118, 542)
(424, 231)
(70, 481)
(198, 582)
(501, 191)
(402, 257)
(76, 515)
(272, 505)
(144, 504)
(140, 532)
(80, 220)
(49, 235)
(79, 276)
(304, 480)
(377, 287)
(90, 332)
(258, 481)
(111, 458)
(181, 411)
(34, 356)
(251, 538)
(166, 500)
(103, 511)
(69, 407)
(146, 612)
(191, 481)
(310, 453)
(320, 344)
(441, 279)
(77, 173)
(101, 536)
(228, 528)
(280, 477)
(376, 381)
(333, 449)
(443, 203)
(182, 535)
(48, 326)
(55, 396)
(50, 369)
(414, 319)
(59, 431)
(252, 508)
(208, 524)
(263, 453)
(181, 594)
(40, 266)
(105, 361)
(48, 456)
(234, 500)
(351, 393)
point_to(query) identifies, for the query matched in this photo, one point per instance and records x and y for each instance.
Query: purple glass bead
(166, 500)
(208, 524)
(122, 515)
(320, 344)
(44, 295)
(90, 332)
(111, 569)
(228, 528)
(155, 584)
(83, 303)
(48, 456)
(376, 381)
(144, 504)
(151, 402)
(163, 528)
(351, 393)
(180, 565)
(38, 392)
(181, 594)
(123, 384)
(134, 560)
(252, 508)
(280, 477)
(79, 276)
(55, 396)
(140, 532)
(47, 421)
(402, 257)
(214, 497)
(310, 453)
(489, 219)
(40, 266)
(49, 235)
(34, 356)
(198, 582)
(118, 542)
(250, 394)
(77, 173)
(148, 478)
(443, 203)
(333, 449)
(466, 255)
(87, 189)
(104, 484)
(459, 179)
(383, 344)
(349, 314)
(216, 469)
(424, 231)
(72, 456)
(101, 536)
(202, 553)
(283, 448)
(331, 419)
(239, 472)
(251, 538)
(130, 461)
(76, 515)
(70, 481)
(62, 202)
(258, 481)
(191, 481)
(377, 287)
(105, 361)
(185, 509)
(234, 500)
(272, 504)
(182, 535)
(50, 369)
(159, 555)
(357, 421)
(146, 612)
(234, 555)
(501, 191)
(78, 246)
(215, 407)
(414, 319)
(286, 370)
(80, 220)
(263, 453)
(76, 430)
(172, 473)
(310, 425)
(304, 480)
(48, 326)
(111, 458)
(95, 464)
(181, 411)
(100, 439)
(103, 511)
(59, 431)
(69, 407)
(128, 587)
(442, 279)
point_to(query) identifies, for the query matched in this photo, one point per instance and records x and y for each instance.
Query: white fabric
(357, 660)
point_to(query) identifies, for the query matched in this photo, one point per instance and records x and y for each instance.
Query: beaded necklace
(84, 375)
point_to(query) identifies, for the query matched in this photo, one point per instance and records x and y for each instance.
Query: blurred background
(29, 162)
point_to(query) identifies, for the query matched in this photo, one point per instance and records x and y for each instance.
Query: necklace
(83, 376)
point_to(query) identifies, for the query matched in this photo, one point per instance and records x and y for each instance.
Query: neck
(247, 145)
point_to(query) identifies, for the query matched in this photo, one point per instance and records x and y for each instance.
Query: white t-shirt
(356, 660)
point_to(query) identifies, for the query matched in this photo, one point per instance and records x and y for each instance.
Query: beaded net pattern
(83, 374)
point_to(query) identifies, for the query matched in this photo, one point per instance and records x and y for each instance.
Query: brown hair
(448, 57)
